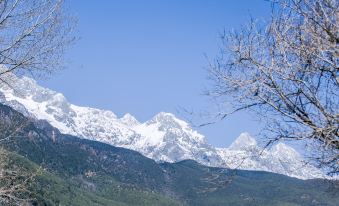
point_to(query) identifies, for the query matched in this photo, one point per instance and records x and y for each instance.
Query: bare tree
(286, 71)
(16, 178)
(33, 36)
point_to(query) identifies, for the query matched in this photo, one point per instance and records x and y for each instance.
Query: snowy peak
(163, 115)
(25, 87)
(282, 150)
(244, 141)
(171, 139)
(129, 120)
(174, 126)
(167, 120)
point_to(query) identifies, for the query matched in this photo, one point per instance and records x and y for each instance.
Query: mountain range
(62, 169)
(164, 138)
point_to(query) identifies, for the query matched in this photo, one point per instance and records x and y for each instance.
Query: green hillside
(49, 189)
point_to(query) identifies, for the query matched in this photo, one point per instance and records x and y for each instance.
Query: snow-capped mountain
(244, 153)
(163, 138)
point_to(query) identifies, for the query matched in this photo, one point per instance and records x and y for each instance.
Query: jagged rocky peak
(129, 120)
(244, 141)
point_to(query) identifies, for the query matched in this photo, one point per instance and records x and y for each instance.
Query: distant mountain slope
(163, 138)
(83, 170)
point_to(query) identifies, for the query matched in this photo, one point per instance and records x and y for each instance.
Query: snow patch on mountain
(163, 138)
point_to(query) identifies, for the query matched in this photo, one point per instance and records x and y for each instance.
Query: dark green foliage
(216, 186)
(49, 189)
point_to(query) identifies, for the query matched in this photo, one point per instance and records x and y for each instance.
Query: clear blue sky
(143, 57)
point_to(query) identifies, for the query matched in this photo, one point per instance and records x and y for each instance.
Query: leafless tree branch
(286, 70)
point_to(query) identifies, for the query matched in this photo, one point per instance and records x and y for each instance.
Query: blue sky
(143, 57)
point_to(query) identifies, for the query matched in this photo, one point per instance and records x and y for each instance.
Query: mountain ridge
(162, 138)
